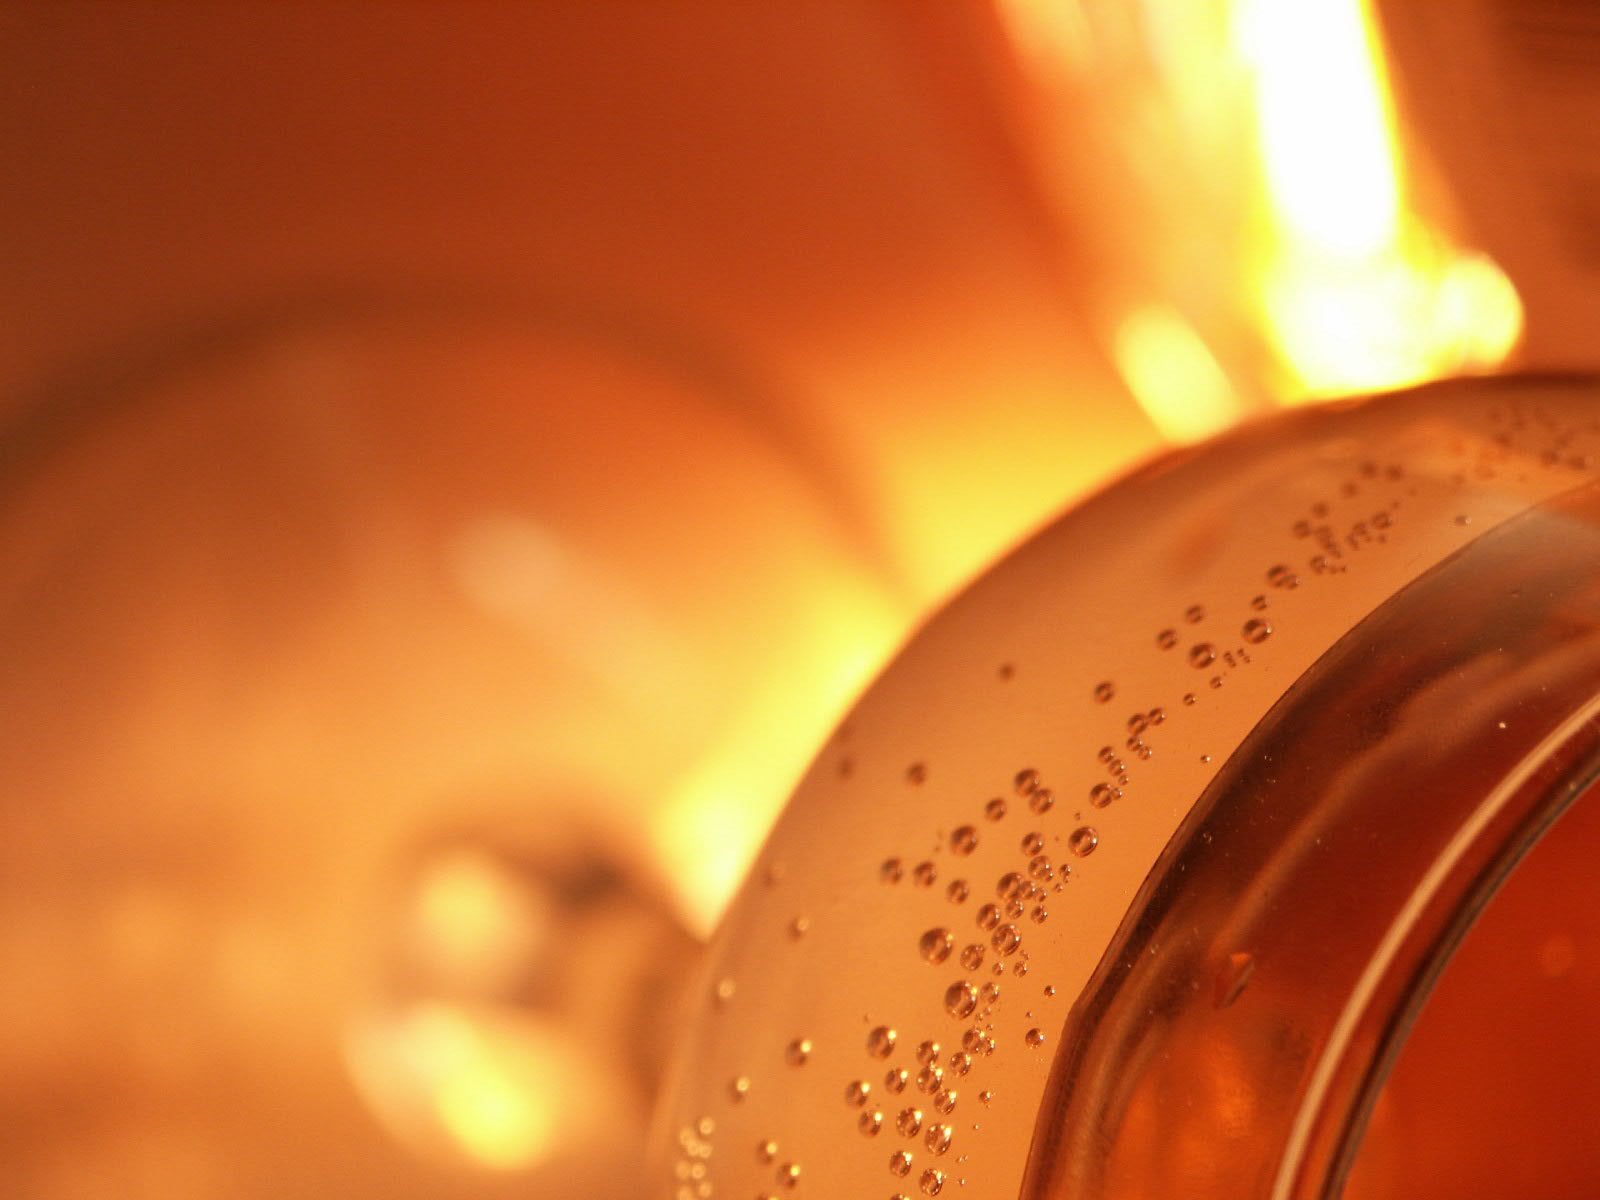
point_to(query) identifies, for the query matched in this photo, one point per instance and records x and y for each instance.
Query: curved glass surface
(1128, 877)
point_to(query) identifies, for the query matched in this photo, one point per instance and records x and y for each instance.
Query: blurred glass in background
(459, 462)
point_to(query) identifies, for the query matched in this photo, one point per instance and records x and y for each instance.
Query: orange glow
(1173, 375)
(1356, 290)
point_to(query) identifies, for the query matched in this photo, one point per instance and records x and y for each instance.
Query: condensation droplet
(930, 1079)
(1034, 1037)
(1006, 940)
(972, 957)
(1039, 915)
(1042, 800)
(988, 917)
(964, 840)
(1463, 519)
(1280, 576)
(1189, 698)
(1049, 990)
(1257, 630)
(1032, 843)
(995, 809)
(938, 1138)
(739, 1088)
(1202, 654)
(857, 1092)
(799, 927)
(1105, 691)
(891, 871)
(1259, 603)
(1026, 780)
(909, 1122)
(896, 1080)
(880, 1042)
(1194, 614)
(932, 1182)
(960, 1062)
(945, 1099)
(725, 989)
(900, 1163)
(1102, 795)
(767, 1152)
(1040, 868)
(797, 1052)
(960, 999)
(1083, 841)
(869, 1123)
(917, 773)
(928, 1052)
(1167, 639)
(789, 1174)
(958, 891)
(985, 1096)
(925, 874)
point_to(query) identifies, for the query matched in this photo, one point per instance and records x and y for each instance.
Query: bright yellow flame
(1174, 376)
(1356, 292)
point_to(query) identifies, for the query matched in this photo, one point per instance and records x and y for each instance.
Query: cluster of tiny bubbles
(917, 773)
(1256, 630)
(935, 945)
(695, 1144)
(798, 1052)
(964, 840)
(1202, 655)
(995, 810)
(1105, 691)
(1083, 841)
(925, 874)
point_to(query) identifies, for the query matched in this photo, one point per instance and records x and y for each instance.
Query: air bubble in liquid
(1006, 940)
(909, 1122)
(932, 1182)
(857, 1092)
(995, 809)
(1202, 654)
(958, 891)
(1105, 691)
(964, 840)
(738, 1089)
(938, 1138)
(797, 1052)
(926, 874)
(896, 1080)
(1026, 780)
(870, 1122)
(891, 871)
(972, 957)
(1194, 614)
(880, 1042)
(1032, 843)
(1034, 1037)
(1280, 576)
(900, 1163)
(945, 1100)
(960, 999)
(930, 1080)
(988, 917)
(928, 1052)
(1083, 841)
(1103, 794)
(1256, 630)
(935, 945)
(1167, 639)
(917, 773)
(1042, 800)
